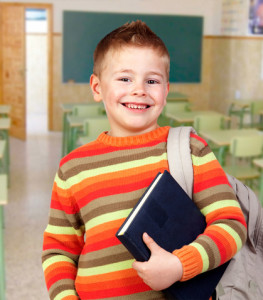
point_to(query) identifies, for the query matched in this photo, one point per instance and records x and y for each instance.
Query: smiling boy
(98, 184)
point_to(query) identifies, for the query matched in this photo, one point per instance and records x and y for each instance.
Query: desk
(67, 109)
(5, 124)
(259, 163)
(222, 138)
(176, 96)
(5, 110)
(3, 201)
(187, 117)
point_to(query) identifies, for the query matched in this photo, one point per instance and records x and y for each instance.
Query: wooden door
(12, 65)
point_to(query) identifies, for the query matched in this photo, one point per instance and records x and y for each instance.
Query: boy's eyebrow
(131, 71)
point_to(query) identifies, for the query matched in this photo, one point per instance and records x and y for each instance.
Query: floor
(32, 169)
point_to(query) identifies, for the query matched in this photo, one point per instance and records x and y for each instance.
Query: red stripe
(198, 187)
(192, 135)
(60, 276)
(220, 246)
(59, 246)
(115, 190)
(113, 241)
(121, 291)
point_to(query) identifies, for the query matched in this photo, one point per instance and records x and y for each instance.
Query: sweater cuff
(191, 261)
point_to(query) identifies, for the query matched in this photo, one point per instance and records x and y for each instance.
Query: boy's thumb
(150, 243)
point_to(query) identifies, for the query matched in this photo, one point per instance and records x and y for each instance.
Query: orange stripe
(207, 167)
(104, 285)
(129, 273)
(209, 175)
(226, 239)
(104, 227)
(224, 213)
(57, 270)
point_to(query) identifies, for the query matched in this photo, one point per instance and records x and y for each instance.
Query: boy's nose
(139, 90)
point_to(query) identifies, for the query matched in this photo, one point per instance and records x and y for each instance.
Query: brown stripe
(51, 253)
(57, 218)
(150, 295)
(75, 166)
(200, 152)
(237, 226)
(90, 263)
(60, 286)
(201, 203)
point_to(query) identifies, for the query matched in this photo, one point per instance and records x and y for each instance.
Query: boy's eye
(152, 81)
(125, 79)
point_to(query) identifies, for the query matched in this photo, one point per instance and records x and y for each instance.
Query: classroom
(39, 88)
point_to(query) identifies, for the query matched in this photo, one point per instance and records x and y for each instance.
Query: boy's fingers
(150, 243)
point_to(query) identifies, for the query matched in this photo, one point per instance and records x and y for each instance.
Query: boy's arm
(226, 229)
(62, 245)
(224, 235)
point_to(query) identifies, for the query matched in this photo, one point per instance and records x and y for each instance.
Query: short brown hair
(136, 33)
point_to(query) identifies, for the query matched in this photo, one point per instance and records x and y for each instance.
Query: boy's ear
(95, 87)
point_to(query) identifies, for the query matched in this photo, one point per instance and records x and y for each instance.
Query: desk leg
(261, 188)
(222, 155)
(2, 258)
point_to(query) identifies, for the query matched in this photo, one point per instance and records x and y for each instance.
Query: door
(12, 63)
(12, 66)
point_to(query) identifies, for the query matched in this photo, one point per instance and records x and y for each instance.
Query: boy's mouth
(136, 106)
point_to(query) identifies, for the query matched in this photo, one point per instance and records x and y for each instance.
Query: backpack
(243, 278)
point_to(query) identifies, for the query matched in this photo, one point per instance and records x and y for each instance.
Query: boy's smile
(133, 86)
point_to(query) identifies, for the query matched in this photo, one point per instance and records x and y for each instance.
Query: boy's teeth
(136, 106)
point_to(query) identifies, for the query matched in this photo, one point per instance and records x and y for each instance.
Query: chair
(92, 128)
(211, 121)
(88, 110)
(256, 108)
(242, 152)
(174, 107)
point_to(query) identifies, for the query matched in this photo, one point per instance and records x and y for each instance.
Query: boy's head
(131, 77)
(137, 34)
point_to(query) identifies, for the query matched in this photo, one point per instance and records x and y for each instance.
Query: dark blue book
(173, 220)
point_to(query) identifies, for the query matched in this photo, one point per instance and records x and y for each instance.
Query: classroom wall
(231, 66)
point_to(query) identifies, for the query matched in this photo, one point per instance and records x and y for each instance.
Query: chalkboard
(83, 30)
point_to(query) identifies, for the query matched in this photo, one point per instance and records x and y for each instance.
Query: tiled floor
(33, 167)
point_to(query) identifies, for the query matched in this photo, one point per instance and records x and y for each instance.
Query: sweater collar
(133, 140)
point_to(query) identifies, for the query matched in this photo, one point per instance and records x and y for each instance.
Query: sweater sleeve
(226, 229)
(62, 243)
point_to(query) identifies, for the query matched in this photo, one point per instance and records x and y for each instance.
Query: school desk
(259, 163)
(176, 96)
(4, 110)
(222, 138)
(3, 202)
(5, 124)
(187, 117)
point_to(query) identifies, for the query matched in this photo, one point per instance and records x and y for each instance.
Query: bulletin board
(83, 30)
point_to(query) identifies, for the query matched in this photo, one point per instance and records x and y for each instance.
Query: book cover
(173, 220)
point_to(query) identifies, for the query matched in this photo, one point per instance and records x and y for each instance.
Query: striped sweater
(94, 190)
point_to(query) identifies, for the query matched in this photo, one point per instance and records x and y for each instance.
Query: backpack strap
(179, 157)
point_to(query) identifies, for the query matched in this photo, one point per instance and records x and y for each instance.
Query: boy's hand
(162, 269)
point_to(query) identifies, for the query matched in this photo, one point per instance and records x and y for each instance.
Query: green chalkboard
(83, 30)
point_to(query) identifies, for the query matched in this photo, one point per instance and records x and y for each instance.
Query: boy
(98, 184)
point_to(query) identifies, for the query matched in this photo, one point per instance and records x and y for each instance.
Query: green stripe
(63, 230)
(55, 259)
(198, 161)
(108, 217)
(114, 267)
(233, 233)
(203, 253)
(219, 205)
(65, 294)
(109, 169)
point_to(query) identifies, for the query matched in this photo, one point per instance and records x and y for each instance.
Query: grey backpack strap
(179, 157)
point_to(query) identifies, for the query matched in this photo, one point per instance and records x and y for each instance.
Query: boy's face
(133, 86)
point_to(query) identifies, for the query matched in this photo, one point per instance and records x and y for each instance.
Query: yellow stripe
(114, 267)
(108, 217)
(233, 233)
(219, 205)
(65, 294)
(198, 161)
(203, 254)
(108, 169)
(63, 230)
(55, 259)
